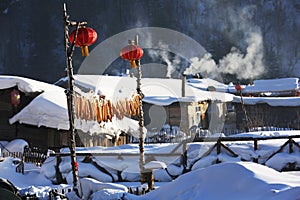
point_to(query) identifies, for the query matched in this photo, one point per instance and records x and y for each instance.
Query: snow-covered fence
(138, 190)
(29, 155)
(116, 175)
(34, 155)
(12, 154)
(167, 134)
(220, 146)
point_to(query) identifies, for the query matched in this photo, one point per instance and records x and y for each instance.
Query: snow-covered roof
(25, 85)
(205, 83)
(50, 108)
(156, 90)
(113, 87)
(167, 91)
(272, 85)
(269, 86)
(272, 101)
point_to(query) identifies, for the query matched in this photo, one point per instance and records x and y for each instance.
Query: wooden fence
(29, 155)
(219, 144)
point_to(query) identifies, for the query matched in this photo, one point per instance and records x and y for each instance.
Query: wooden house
(28, 89)
(166, 101)
(177, 103)
(268, 103)
(40, 117)
(262, 113)
(184, 105)
(183, 115)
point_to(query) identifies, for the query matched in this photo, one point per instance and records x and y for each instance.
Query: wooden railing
(29, 155)
(219, 144)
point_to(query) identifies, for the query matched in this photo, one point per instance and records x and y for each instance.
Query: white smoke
(161, 52)
(248, 65)
(206, 66)
(244, 65)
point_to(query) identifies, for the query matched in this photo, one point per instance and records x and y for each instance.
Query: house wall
(194, 115)
(263, 115)
(230, 120)
(40, 137)
(43, 137)
(88, 140)
(181, 114)
(7, 131)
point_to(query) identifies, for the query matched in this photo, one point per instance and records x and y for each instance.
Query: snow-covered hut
(281, 87)
(181, 103)
(49, 109)
(166, 101)
(27, 128)
(269, 103)
(173, 102)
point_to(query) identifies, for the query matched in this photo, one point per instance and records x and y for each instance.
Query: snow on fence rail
(34, 155)
(29, 155)
(219, 144)
(216, 147)
(174, 135)
(12, 154)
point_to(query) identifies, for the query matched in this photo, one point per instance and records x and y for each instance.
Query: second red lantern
(15, 97)
(132, 53)
(85, 37)
(238, 87)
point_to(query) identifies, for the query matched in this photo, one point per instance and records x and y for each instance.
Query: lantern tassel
(85, 51)
(132, 64)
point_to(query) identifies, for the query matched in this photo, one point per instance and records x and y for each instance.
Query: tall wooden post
(247, 126)
(69, 50)
(141, 119)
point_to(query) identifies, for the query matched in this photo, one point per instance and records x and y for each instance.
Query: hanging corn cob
(101, 110)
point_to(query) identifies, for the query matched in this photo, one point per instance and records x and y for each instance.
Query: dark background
(32, 31)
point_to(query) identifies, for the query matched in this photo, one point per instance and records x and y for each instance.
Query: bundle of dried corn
(128, 108)
(94, 109)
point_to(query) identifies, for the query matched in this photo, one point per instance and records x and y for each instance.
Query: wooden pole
(245, 112)
(255, 149)
(184, 155)
(69, 50)
(141, 119)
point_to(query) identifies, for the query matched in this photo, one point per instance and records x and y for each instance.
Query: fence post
(218, 149)
(150, 179)
(255, 149)
(59, 178)
(218, 146)
(291, 150)
(184, 155)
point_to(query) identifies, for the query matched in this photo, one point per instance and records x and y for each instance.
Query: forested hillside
(263, 33)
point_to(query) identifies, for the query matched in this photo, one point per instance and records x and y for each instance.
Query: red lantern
(76, 166)
(238, 87)
(132, 53)
(15, 97)
(85, 37)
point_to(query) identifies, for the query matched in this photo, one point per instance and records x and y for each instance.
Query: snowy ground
(231, 179)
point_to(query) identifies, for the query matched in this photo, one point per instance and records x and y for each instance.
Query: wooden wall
(181, 114)
(42, 137)
(263, 115)
(7, 131)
